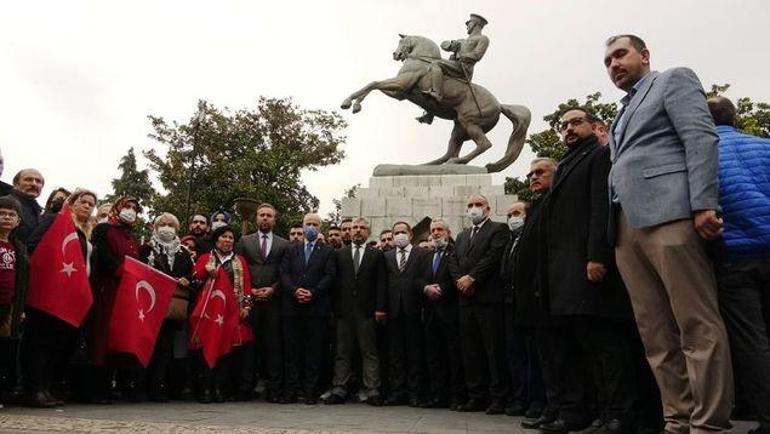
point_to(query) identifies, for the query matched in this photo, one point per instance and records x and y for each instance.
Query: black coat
(365, 291)
(507, 262)
(403, 295)
(480, 258)
(31, 212)
(317, 277)
(575, 218)
(528, 262)
(446, 306)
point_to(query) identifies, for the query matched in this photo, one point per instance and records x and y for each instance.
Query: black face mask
(56, 205)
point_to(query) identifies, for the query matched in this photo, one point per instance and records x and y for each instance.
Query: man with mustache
(664, 192)
(27, 186)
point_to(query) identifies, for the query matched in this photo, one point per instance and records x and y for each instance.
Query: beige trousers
(673, 292)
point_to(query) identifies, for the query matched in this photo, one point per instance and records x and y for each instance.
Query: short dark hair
(401, 222)
(267, 205)
(590, 114)
(722, 110)
(526, 205)
(221, 231)
(346, 220)
(9, 202)
(334, 228)
(297, 226)
(49, 201)
(636, 41)
(385, 231)
(189, 220)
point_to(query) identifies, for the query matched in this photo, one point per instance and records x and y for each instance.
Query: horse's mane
(427, 45)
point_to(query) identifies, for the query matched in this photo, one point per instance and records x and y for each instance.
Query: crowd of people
(617, 301)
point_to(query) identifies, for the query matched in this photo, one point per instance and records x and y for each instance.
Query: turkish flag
(58, 282)
(141, 304)
(215, 319)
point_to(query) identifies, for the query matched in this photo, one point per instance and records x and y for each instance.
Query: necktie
(308, 252)
(474, 231)
(263, 248)
(437, 260)
(357, 258)
(402, 260)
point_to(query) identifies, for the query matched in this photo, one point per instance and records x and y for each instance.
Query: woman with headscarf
(49, 343)
(237, 270)
(113, 242)
(166, 253)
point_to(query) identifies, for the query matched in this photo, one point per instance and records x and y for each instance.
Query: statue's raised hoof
(356, 108)
(346, 104)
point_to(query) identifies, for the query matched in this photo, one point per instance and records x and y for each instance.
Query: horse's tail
(520, 117)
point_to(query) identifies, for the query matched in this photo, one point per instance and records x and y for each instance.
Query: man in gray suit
(264, 251)
(664, 191)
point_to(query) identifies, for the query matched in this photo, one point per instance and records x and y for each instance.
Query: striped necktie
(402, 260)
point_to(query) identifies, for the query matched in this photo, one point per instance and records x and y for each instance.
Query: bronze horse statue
(474, 110)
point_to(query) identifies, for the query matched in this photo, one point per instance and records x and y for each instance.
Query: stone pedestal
(411, 198)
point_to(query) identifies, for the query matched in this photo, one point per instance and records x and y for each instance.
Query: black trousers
(406, 356)
(157, 371)
(267, 356)
(482, 333)
(46, 350)
(305, 353)
(444, 357)
(744, 300)
(523, 364)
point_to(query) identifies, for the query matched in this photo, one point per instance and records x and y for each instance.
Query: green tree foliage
(132, 182)
(753, 117)
(257, 153)
(335, 217)
(547, 143)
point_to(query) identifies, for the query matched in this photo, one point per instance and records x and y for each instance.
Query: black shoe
(244, 395)
(497, 407)
(472, 405)
(597, 426)
(534, 412)
(614, 426)
(435, 403)
(56, 402)
(516, 409)
(538, 422)
(334, 399)
(395, 400)
(205, 397)
(455, 405)
(272, 398)
(39, 399)
(289, 398)
(218, 396)
(374, 401)
(561, 426)
(414, 402)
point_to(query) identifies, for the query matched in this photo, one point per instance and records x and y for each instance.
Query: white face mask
(476, 215)
(440, 243)
(217, 224)
(166, 233)
(515, 223)
(401, 240)
(127, 215)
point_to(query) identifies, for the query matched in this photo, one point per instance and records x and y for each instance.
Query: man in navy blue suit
(307, 276)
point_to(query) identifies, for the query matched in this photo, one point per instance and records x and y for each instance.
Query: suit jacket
(665, 162)
(575, 218)
(317, 277)
(529, 277)
(264, 272)
(446, 306)
(365, 291)
(403, 295)
(480, 258)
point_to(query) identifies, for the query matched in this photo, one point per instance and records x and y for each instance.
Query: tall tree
(132, 182)
(259, 153)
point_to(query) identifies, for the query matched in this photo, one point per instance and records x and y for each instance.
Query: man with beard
(296, 233)
(359, 302)
(27, 186)
(334, 237)
(264, 252)
(347, 227)
(386, 240)
(199, 228)
(588, 304)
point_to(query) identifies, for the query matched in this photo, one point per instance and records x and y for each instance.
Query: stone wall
(412, 198)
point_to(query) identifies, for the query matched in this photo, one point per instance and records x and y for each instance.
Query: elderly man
(307, 276)
(743, 272)
(359, 302)
(27, 186)
(665, 191)
(479, 249)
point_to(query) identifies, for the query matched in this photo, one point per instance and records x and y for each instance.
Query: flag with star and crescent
(215, 318)
(141, 303)
(58, 283)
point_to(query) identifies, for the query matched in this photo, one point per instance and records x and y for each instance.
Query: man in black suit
(404, 328)
(264, 252)
(307, 277)
(441, 320)
(479, 250)
(359, 302)
(588, 304)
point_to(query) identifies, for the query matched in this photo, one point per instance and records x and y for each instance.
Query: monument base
(425, 169)
(389, 199)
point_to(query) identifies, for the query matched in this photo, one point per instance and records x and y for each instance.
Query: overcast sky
(77, 78)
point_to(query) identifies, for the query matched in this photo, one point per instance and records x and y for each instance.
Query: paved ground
(256, 417)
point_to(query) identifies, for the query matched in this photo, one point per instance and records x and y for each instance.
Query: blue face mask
(311, 233)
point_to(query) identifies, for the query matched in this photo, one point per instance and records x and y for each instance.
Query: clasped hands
(262, 294)
(465, 285)
(303, 295)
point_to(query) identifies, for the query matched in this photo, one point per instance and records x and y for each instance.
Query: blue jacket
(744, 189)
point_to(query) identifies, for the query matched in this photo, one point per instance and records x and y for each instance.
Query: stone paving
(257, 417)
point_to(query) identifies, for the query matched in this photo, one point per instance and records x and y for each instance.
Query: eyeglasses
(536, 172)
(574, 122)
